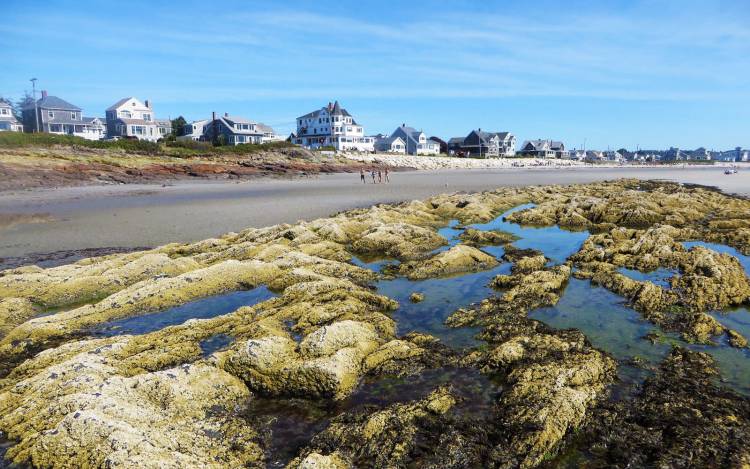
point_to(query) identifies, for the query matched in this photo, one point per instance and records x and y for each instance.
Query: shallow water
(292, 422)
(556, 243)
(722, 248)
(660, 276)
(199, 309)
(215, 343)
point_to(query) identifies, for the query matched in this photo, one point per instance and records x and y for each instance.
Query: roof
(456, 140)
(238, 120)
(88, 120)
(123, 101)
(265, 128)
(489, 135)
(387, 140)
(52, 102)
(336, 110)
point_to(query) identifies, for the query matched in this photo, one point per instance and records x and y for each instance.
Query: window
(50, 114)
(147, 117)
(4, 111)
(138, 130)
(73, 115)
(125, 114)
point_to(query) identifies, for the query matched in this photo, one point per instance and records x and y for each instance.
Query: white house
(389, 144)
(8, 122)
(129, 117)
(416, 141)
(95, 128)
(194, 130)
(53, 115)
(332, 126)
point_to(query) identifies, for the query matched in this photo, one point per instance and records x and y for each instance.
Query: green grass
(176, 148)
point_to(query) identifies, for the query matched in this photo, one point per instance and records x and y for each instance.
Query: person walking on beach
(362, 175)
(386, 175)
(372, 173)
(380, 177)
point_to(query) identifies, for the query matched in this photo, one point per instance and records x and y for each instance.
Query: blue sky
(616, 73)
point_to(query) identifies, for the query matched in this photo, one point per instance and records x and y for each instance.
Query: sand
(149, 215)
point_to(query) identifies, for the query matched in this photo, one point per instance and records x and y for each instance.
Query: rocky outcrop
(458, 259)
(79, 412)
(680, 418)
(478, 238)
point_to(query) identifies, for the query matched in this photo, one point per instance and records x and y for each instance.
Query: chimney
(403, 124)
(148, 105)
(44, 94)
(226, 114)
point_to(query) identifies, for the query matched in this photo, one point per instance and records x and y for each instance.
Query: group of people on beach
(373, 174)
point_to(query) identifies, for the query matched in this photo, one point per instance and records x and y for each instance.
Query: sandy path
(131, 215)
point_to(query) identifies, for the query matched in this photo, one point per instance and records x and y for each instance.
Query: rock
(679, 418)
(398, 240)
(736, 339)
(526, 265)
(79, 414)
(416, 297)
(474, 237)
(14, 311)
(458, 259)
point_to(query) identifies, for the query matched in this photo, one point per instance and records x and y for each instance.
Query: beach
(71, 219)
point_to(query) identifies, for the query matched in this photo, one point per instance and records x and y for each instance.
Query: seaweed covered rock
(386, 438)
(14, 311)
(399, 240)
(477, 238)
(90, 279)
(680, 418)
(458, 259)
(79, 413)
(328, 362)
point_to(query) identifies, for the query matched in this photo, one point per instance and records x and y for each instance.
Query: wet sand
(71, 219)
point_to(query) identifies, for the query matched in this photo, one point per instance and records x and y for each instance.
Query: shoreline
(136, 215)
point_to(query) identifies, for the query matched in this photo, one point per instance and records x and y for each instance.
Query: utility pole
(36, 111)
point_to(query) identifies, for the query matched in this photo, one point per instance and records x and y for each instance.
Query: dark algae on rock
(597, 325)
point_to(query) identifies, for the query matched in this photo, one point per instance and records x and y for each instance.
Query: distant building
(389, 144)
(417, 142)
(194, 130)
(233, 130)
(701, 154)
(738, 154)
(576, 155)
(612, 155)
(484, 144)
(443, 144)
(543, 149)
(8, 122)
(332, 126)
(131, 118)
(594, 155)
(57, 116)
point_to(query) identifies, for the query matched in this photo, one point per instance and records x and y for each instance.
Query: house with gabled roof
(131, 118)
(54, 115)
(544, 149)
(386, 144)
(8, 121)
(235, 130)
(416, 141)
(332, 126)
(484, 144)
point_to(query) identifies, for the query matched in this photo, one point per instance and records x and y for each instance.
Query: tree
(22, 103)
(178, 126)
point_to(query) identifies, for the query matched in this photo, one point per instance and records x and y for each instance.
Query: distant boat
(730, 171)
